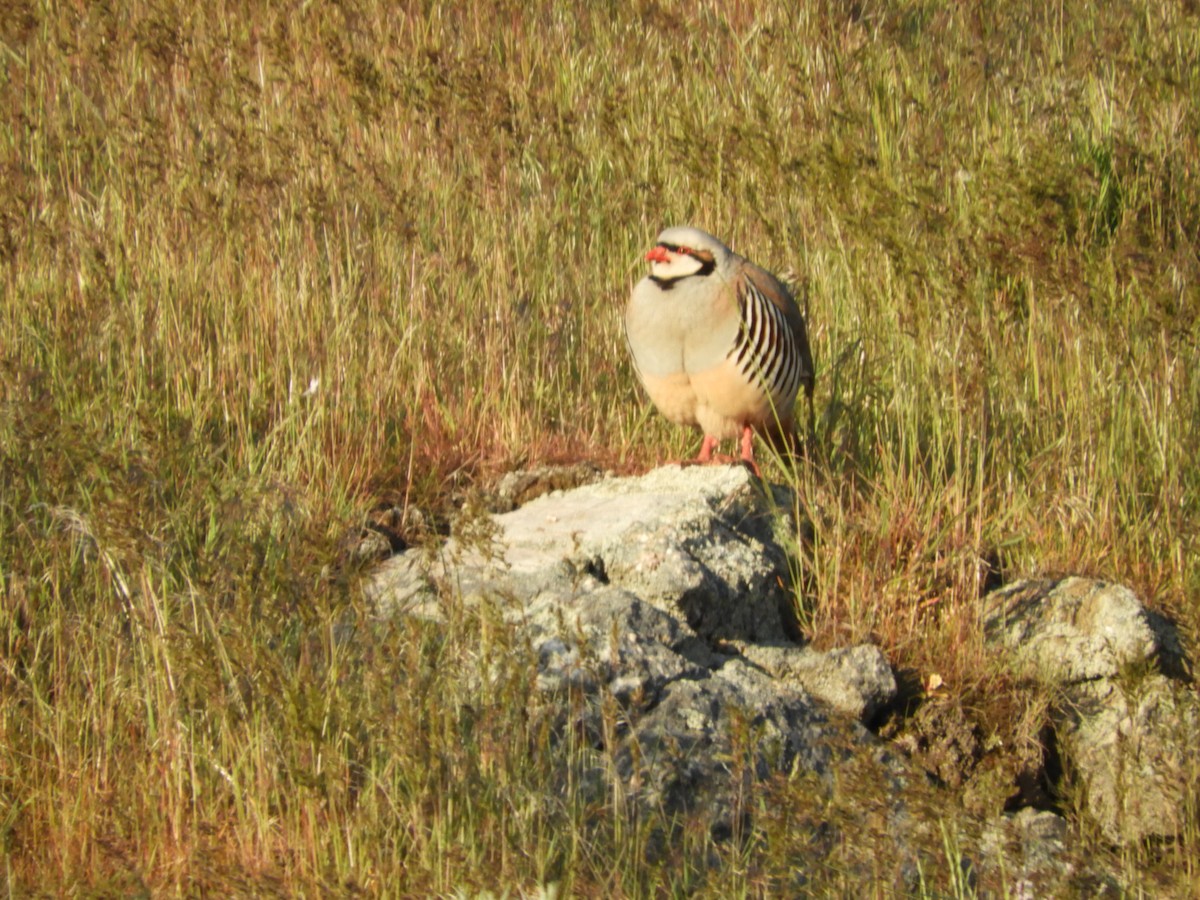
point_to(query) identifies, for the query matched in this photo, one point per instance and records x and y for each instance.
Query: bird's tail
(786, 438)
(786, 441)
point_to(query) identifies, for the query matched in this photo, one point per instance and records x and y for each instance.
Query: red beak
(658, 253)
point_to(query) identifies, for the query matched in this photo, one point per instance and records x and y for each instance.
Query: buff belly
(720, 401)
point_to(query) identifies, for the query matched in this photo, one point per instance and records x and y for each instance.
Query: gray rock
(696, 540)
(684, 753)
(855, 681)
(1032, 849)
(1036, 840)
(518, 488)
(1124, 730)
(1068, 631)
(659, 610)
(624, 643)
(670, 595)
(1131, 744)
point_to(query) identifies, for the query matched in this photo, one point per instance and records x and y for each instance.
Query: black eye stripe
(705, 258)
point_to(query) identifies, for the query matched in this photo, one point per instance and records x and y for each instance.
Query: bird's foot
(718, 459)
(707, 455)
(748, 451)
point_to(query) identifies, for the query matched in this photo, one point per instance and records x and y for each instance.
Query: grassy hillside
(268, 269)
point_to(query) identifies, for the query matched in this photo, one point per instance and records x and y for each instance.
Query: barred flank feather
(766, 350)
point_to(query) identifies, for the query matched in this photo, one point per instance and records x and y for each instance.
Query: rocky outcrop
(696, 542)
(670, 593)
(660, 611)
(1125, 729)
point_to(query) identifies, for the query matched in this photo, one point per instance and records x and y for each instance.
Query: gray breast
(677, 330)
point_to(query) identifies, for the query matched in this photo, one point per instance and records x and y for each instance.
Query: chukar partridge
(718, 343)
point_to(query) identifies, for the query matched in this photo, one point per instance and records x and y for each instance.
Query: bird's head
(683, 251)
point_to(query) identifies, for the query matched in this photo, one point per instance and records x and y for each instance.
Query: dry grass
(267, 268)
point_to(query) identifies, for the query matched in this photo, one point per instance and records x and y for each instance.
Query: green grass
(432, 219)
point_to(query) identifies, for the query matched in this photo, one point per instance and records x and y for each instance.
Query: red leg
(706, 449)
(747, 444)
(748, 450)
